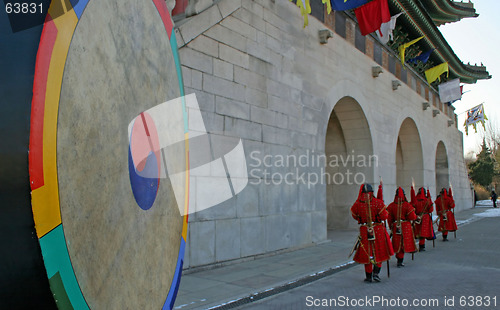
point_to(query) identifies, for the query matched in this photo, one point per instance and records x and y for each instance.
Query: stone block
(250, 79)
(256, 97)
(223, 69)
(253, 7)
(240, 27)
(302, 140)
(196, 60)
(224, 88)
(179, 39)
(267, 117)
(186, 76)
(260, 66)
(253, 232)
(232, 108)
(228, 37)
(318, 226)
(247, 201)
(278, 89)
(250, 18)
(227, 239)
(205, 45)
(306, 197)
(284, 106)
(206, 101)
(196, 79)
(268, 205)
(233, 56)
(275, 20)
(241, 128)
(202, 243)
(300, 228)
(275, 135)
(196, 26)
(277, 233)
(214, 123)
(224, 210)
(258, 50)
(228, 7)
(273, 31)
(187, 254)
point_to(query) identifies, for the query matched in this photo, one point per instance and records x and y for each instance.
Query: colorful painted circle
(54, 171)
(144, 161)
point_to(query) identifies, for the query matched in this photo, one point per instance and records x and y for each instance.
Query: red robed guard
(444, 205)
(423, 224)
(401, 213)
(373, 246)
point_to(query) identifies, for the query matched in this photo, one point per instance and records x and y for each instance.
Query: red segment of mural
(161, 6)
(44, 55)
(144, 140)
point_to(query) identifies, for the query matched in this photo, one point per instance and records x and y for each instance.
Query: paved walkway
(225, 287)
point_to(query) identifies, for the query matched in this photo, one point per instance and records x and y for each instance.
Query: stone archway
(442, 172)
(409, 157)
(349, 160)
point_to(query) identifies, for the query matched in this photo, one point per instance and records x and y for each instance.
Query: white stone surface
(273, 85)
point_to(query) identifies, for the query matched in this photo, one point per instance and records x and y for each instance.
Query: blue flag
(422, 57)
(342, 5)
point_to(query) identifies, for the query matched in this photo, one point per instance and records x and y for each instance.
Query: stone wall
(259, 75)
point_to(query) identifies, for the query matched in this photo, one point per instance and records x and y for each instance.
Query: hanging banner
(450, 91)
(435, 72)
(372, 15)
(475, 115)
(385, 33)
(343, 5)
(402, 48)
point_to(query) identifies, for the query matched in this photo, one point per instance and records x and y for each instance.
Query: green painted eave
(416, 22)
(447, 11)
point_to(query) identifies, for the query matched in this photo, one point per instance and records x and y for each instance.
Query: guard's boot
(445, 237)
(400, 263)
(421, 247)
(368, 277)
(376, 271)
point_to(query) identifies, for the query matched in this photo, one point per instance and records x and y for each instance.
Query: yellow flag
(305, 9)
(403, 47)
(435, 72)
(328, 6)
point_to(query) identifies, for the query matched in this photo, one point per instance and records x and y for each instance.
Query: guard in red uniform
(373, 246)
(423, 224)
(444, 206)
(401, 213)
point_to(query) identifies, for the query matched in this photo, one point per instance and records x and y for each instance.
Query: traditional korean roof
(418, 20)
(446, 11)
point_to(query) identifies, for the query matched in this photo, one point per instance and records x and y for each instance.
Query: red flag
(372, 15)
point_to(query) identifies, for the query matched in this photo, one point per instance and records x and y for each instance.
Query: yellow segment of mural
(45, 199)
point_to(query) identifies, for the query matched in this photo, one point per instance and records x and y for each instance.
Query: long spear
(380, 195)
(452, 209)
(413, 199)
(432, 224)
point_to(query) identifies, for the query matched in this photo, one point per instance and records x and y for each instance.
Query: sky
(476, 40)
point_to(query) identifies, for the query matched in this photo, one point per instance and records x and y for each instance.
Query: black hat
(367, 188)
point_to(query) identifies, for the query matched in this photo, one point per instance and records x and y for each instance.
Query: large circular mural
(110, 229)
